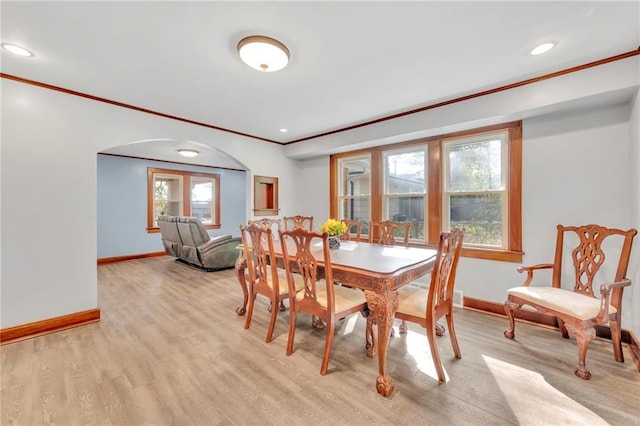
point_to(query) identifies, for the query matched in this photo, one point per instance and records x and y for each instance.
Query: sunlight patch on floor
(535, 402)
(418, 348)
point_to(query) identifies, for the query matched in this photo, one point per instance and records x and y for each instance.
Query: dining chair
(352, 225)
(426, 306)
(384, 232)
(292, 222)
(576, 307)
(264, 276)
(273, 224)
(318, 297)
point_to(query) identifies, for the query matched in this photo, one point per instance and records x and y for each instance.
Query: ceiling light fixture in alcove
(263, 53)
(188, 153)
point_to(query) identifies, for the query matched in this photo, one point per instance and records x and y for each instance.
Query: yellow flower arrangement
(334, 227)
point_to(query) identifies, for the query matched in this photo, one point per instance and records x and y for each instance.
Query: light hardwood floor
(170, 350)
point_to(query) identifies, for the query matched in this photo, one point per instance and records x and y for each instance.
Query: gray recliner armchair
(187, 239)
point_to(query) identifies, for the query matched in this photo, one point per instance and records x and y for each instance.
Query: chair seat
(560, 300)
(282, 278)
(412, 301)
(345, 298)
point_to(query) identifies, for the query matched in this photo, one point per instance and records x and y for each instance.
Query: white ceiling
(351, 62)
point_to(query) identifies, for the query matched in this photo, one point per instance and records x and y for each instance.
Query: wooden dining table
(377, 269)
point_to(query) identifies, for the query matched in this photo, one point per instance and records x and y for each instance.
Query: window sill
(487, 254)
(500, 255)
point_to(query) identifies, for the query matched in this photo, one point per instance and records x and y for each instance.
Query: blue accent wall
(122, 204)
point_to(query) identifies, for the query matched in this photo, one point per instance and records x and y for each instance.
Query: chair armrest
(214, 242)
(605, 302)
(530, 269)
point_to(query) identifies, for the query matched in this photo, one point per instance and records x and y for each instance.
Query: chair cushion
(412, 301)
(345, 298)
(560, 300)
(282, 282)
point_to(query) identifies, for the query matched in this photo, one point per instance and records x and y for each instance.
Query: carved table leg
(241, 266)
(383, 303)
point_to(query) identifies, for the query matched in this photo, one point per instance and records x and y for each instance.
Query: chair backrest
(192, 231)
(352, 234)
(268, 223)
(300, 256)
(169, 228)
(588, 256)
(292, 222)
(385, 232)
(443, 276)
(258, 246)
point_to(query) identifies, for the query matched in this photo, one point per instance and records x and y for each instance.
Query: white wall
(634, 195)
(49, 146)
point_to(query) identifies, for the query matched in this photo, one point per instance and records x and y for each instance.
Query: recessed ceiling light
(543, 48)
(283, 130)
(188, 152)
(16, 50)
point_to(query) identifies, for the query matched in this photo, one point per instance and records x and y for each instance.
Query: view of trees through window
(475, 189)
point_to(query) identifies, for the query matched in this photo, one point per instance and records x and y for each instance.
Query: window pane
(355, 176)
(476, 166)
(409, 209)
(480, 216)
(202, 199)
(167, 195)
(356, 209)
(405, 172)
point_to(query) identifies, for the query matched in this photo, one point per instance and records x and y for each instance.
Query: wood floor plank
(170, 350)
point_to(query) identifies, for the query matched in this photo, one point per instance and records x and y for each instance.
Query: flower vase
(334, 242)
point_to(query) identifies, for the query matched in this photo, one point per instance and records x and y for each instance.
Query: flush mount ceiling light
(188, 152)
(543, 48)
(16, 50)
(263, 53)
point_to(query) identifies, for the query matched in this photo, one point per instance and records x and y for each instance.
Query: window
(354, 191)
(469, 179)
(181, 193)
(405, 191)
(475, 192)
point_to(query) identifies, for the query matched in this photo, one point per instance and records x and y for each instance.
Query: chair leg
(252, 299)
(452, 336)
(331, 326)
(583, 338)
(617, 341)
(563, 328)
(403, 327)
(272, 323)
(433, 346)
(292, 331)
(317, 323)
(509, 307)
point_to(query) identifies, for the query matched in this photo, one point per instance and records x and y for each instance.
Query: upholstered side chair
(583, 250)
